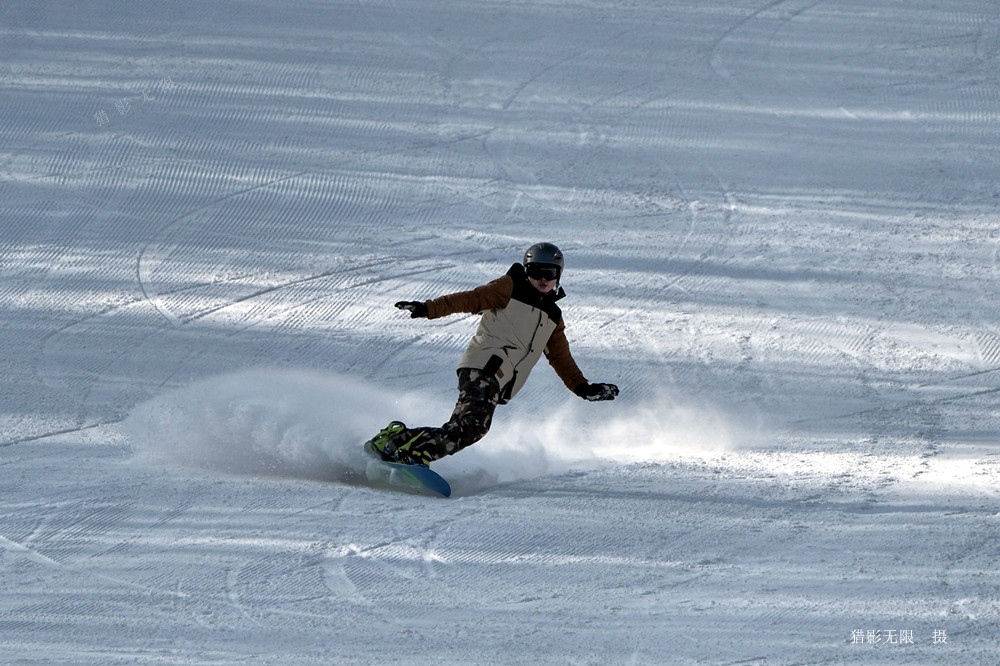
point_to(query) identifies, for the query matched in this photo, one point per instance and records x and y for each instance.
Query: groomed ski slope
(781, 229)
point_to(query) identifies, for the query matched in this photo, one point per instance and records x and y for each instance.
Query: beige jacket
(518, 325)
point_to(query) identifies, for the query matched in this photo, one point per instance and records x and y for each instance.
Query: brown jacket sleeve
(495, 294)
(557, 352)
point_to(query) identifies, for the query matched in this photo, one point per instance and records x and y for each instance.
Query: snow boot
(395, 443)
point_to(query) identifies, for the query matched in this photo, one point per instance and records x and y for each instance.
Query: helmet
(544, 253)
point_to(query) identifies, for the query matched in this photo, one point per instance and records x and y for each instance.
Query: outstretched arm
(496, 294)
(565, 366)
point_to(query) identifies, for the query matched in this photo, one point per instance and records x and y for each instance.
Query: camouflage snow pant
(478, 395)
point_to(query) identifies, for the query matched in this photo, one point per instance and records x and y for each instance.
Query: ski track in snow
(780, 226)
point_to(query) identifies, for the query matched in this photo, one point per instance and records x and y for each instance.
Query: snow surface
(781, 230)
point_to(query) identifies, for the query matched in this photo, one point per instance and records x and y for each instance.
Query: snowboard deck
(416, 479)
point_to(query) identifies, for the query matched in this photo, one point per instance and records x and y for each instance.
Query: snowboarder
(520, 321)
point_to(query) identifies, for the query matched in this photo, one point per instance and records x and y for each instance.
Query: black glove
(416, 308)
(597, 392)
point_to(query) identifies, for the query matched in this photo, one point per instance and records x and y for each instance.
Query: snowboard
(408, 478)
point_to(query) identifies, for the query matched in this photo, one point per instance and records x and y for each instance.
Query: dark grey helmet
(544, 253)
